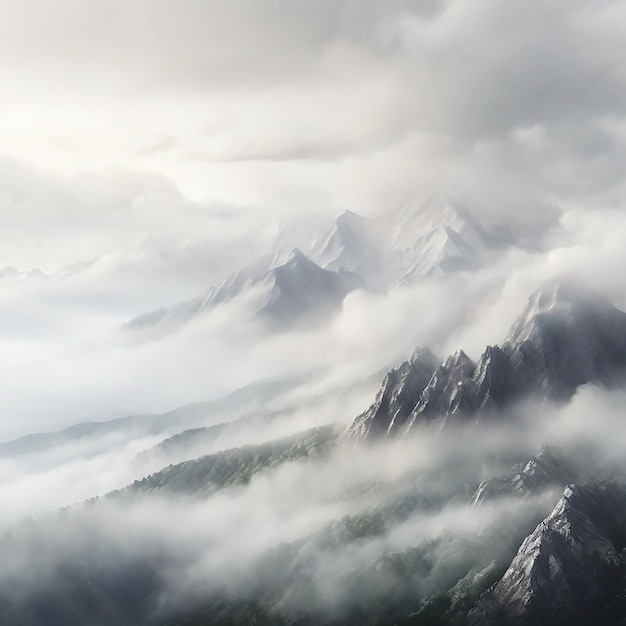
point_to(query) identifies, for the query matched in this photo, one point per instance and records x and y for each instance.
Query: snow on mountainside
(440, 250)
(409, 222)
(410, 243)
(302, 291)
(292, 289)
(571, 569)
(566, 336)
(308, 269)
(399, 391)
(432, 238)
(348, 243)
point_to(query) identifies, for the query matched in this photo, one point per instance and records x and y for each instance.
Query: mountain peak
(399, 393)
(297, 255)
(296, 259)
(563, 289)
(567, 336)
(564, 298)
(570, 569)
(422, 353)
(349, 215)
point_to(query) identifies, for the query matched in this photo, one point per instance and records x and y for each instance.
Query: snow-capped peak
(411, 222)
(346, 243)
(296, 262)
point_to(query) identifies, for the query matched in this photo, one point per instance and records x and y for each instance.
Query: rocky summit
(566, 336)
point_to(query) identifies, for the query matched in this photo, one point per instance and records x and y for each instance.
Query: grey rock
(399, 393)
(547, 469)
(571, 569)
(567, 335)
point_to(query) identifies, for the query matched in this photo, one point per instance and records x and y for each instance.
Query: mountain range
(530, 536)
(306, 273)
(566, 336)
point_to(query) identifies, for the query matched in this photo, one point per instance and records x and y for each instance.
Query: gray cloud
(505, 105)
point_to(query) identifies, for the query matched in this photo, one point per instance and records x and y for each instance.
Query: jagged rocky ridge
(571, 569)
(566, 336)
(400, 390)
(548, 469)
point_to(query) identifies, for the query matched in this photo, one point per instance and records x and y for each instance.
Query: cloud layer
(325, 104)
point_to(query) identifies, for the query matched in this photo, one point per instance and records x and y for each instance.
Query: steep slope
(547, 470)
(566, 336)
(571, 569)
(398, 247)
(441, 250)
(301, 291)
(347, 243)
(399, 392)
(290, 289)
(432, 238)
(436, 212)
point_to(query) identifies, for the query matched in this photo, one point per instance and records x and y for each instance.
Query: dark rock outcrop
(567, 336)
(548, 469)
(571, 569)
(399, 393)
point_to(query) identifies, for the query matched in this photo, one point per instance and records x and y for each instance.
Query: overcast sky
(162, 139)
(322, 104)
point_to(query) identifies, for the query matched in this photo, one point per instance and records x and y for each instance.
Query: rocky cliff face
(566, 336)
(399, 393)
(571, 569)
(547, 470)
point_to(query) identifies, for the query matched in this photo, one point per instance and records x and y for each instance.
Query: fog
(61, 332)
(306, 533)
(149, 152)
(163, 165)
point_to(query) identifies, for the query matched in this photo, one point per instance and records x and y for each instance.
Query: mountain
(241, 402)
(309, 269)
(441, 250)
(401, 389)
(409, 222)
(433, 237)
(548, 469)
(401, 246)
(571, 569)
(104, 562)
(300, 290)
(298, 528)
(211, 472)
(290, 289)
(566, 336)
(12, 272)
(348, 243)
